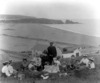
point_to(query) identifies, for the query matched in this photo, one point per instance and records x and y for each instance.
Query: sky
(55, 9)
(49, 9)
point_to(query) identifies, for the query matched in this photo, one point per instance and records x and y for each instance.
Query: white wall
(77, 51)
(68, 55)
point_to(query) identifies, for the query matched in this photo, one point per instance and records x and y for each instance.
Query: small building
(69, 51)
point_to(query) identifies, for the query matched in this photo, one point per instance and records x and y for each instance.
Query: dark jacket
(52, 51)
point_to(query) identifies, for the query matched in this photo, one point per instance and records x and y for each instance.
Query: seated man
(24, 65)
(84, 61)
(91, 63)
(77, 64)
(71, 64)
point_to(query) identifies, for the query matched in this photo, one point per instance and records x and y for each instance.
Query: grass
(93, 78)
(85, 76)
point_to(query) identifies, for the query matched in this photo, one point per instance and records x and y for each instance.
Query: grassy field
(90, 77)
(78, 77)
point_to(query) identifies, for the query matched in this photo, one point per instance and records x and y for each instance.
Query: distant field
(23, 36)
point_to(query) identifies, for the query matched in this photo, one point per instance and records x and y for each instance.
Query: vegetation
(29, 19)
(71, 22)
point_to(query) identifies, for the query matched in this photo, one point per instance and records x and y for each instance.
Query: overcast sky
(53, 9)
(56, 9)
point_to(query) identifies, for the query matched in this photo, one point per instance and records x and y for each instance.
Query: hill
(29, 19)
(13, 17)
(71, 22)
(25, 35)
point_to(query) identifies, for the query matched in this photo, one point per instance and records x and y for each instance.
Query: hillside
(25, 35)
(29, 19)
(71, 22)
(13, 17)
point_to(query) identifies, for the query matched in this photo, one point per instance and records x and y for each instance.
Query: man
(24, 65)
(77, 64)
(84, 63)
(51, 52)
(72, 62)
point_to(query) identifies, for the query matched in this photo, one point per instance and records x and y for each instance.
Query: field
(23, 36)
(78, 77)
